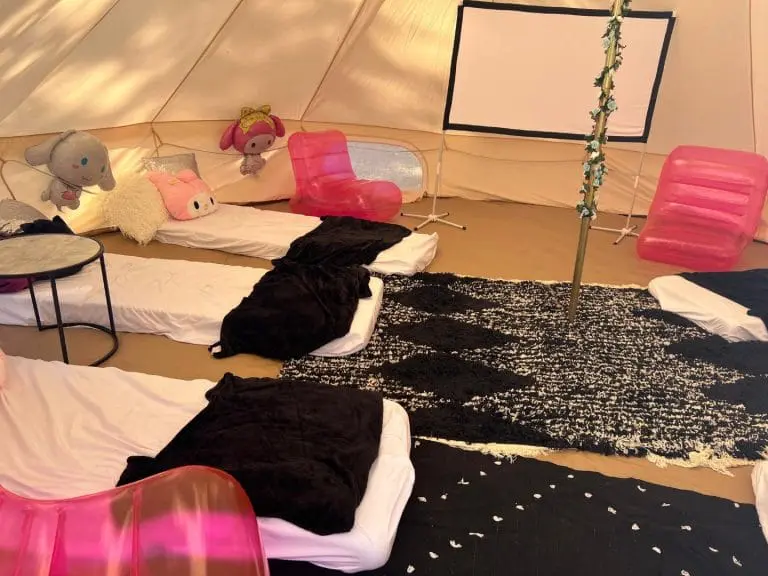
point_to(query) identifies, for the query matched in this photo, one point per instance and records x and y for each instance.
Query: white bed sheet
(760, 486)
(709, 311)
(268, 234)
(185, 301)
(67, 430)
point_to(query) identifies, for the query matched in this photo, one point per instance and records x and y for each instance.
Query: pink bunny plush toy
(251, 135)
(185, 195)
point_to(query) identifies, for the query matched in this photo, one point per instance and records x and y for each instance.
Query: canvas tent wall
(169, 74)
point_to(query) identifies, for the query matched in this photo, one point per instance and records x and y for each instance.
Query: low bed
(87, 421)
(183, 300)
(268, 234)
(707, 309)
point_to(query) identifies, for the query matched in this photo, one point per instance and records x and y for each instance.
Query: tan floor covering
(502, 241)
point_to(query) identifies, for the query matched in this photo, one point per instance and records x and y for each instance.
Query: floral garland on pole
(594, 165)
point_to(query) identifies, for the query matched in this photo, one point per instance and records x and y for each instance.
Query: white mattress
(268, 234)
(760, 486)
(706, 309)
(67, 430)
(185, 301)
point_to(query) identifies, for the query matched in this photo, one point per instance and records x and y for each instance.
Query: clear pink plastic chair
(707, 208)
(326, 184)
(191, 521)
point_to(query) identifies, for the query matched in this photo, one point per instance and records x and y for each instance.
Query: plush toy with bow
(251, 135)
(76, 160)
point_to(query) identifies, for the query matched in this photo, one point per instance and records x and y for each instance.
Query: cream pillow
(135, 207)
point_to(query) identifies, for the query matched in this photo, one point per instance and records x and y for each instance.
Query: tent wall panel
(268, 53)
(394, 73)
(759, 35)
(124, 70)
(35, 35)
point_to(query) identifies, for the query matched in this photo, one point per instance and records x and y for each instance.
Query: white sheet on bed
(67, 430)
(706, 309)
(268, 234)
(185, 301)
(760, 486)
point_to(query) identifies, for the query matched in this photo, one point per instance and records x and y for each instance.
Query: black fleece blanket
(748, 288)
(475, 515)
(344, 241)
(310, 297)
(300, 450)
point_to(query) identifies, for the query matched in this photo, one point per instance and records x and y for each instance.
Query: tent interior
(158, 78)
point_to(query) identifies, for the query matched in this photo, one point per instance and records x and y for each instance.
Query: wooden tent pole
(594, 167)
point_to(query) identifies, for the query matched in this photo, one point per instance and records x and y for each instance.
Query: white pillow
(135, 207)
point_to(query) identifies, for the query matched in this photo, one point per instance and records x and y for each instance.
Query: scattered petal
(570, 476)
(656, 549)
(715, 550)
(444, 497)
(736, 505)
(635, 527)
(611, 510)
(520, 507)
(537, 496)
(498, 463)
(552, 486)
(410, 570)
(422, 499)
(686, 528)
(665, 505)
(685, 573)
(587, 494)
(483, 473)
(417, 443)
(463, 482)
(497, 518)
(477, 534)
(736, 561)
(641, 489)
(433, 556)
(455, 544)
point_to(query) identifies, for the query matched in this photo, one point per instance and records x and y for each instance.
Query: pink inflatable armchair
(191, 521)
(326, 184)
(706, 209)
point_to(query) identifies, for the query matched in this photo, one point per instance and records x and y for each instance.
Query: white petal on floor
(686, 528)
(497, 518)
(444, 497)
(611, 510)
(483, 473)
(410, 570)
(665, 505)
(635, 527)
(422, 499)
(587, 495)
(685, 573)
(463, 482)
(736, 505)
(656, 549)
(433, 556)
(715, 550)
(570, 476)
(477, 534)
(736, 561)
(520, 507)
(455, 544)
(641, 489)
(552, 486)
(417, 443)
(498, 463)
(537, 496)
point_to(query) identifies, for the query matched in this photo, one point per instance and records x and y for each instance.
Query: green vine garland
(594, 167)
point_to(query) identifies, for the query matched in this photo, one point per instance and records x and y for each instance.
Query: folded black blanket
(748, 288)
(300, 450)
(344, 241)
(293, 310)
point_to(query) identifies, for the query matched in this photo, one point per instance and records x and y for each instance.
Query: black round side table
(48, 257)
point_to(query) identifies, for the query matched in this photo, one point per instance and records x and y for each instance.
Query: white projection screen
(530, 70)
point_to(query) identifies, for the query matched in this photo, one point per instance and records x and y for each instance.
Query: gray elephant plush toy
(76, 160)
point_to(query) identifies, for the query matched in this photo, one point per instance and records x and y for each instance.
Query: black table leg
(59, 323)
(31, 288)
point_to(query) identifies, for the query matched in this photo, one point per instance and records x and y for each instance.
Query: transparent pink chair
(326, 184)
(191, 521)
(706, 209)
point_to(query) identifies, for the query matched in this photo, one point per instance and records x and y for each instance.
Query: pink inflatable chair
(189, 521)
(707, 208)
(326, 184)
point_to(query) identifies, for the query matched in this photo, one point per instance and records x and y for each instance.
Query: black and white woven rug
(473, 515)
(481, 360)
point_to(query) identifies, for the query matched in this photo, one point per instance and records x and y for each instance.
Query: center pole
(594, 167)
